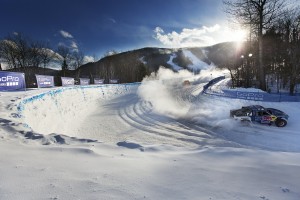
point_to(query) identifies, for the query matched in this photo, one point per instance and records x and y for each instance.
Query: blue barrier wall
(251, 95)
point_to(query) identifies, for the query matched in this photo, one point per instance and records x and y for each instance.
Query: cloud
(65, 34)
(74, 46)
(87, 59)
(112, 20)
(62, 44)
(187, 37)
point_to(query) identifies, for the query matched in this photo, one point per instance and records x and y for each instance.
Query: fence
(251, 94)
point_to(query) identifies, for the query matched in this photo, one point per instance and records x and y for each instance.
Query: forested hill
(133, 65)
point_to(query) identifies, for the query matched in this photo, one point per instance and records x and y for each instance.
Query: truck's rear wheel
(281, 122)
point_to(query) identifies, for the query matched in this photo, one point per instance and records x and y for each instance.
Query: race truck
(257, 113)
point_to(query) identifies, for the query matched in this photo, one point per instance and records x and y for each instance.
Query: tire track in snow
(154, 130)
(140, 115)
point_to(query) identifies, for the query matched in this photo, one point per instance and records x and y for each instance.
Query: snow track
(141, 117)
(179, 132)
(123, 144)
(111, 115)
(116, 113)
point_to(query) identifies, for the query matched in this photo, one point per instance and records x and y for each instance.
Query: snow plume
(210, 110)
(214, 112)
(168, 95)
(212, 72)
(162, 90)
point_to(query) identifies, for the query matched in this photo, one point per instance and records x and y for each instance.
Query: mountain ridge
(134, 65)
(149, 59)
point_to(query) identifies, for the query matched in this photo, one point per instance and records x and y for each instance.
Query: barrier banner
(67, 81)
(113, 81)
(84, 81)
(44, 81)
(250, 96)
(12, 81)
(98, 81)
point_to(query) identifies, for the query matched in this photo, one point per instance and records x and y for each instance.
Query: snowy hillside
(158, 139)
(197, 64)
(174, 66)
(193, 59)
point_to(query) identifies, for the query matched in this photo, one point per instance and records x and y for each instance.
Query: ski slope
(153, 140)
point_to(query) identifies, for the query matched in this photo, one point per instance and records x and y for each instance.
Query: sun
(238, 35)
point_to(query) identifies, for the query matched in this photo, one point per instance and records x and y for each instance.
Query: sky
(98, 26)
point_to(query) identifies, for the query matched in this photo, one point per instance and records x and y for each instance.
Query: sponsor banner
(84, 81)
(98, 81)
(11, 81)
(44, 81)
(250, 96)
(67, 81)
(113, 81)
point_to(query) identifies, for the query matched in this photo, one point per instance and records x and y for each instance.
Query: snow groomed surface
(156, 140)
(148, 113)
(62, 110)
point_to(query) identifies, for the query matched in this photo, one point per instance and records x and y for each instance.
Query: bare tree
(8, 53)
(35, 54)
(22, 50)
(65, 54)
(95, 58)
(16, 51)
(77, 59)
(289, 25)
(259, 15)
(46, 54)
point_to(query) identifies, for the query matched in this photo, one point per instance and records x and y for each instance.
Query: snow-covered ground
(154, 140)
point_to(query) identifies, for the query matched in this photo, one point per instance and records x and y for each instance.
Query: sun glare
(235, 35)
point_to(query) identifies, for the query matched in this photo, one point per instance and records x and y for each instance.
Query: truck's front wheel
(281, 122)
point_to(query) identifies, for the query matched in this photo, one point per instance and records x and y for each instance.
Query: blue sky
(97, 26)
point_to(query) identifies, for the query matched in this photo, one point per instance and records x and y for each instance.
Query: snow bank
(64, 109)
(248, 162)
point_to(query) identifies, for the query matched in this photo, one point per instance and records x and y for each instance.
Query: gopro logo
(9, 78)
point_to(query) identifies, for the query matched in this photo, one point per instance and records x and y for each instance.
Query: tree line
(127, 67)
(20, 52)
(271, 54)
